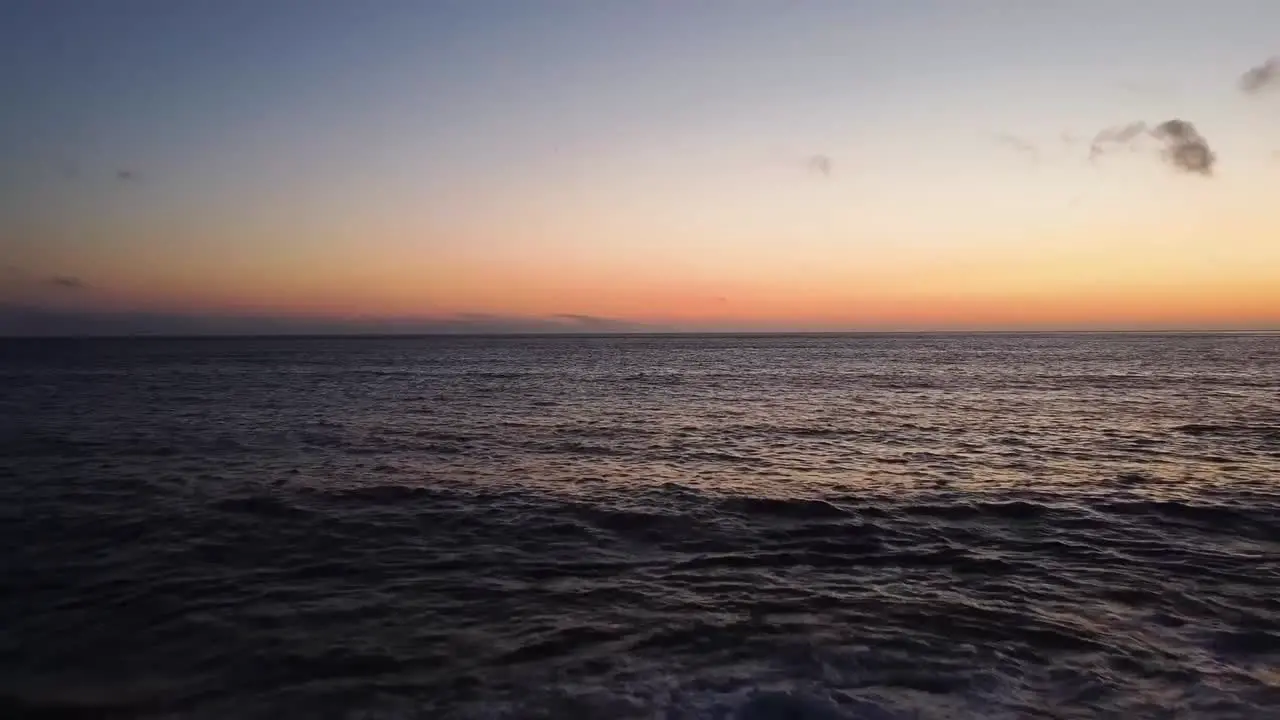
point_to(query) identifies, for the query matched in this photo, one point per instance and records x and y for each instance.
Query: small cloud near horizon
(22, 277)
(41, 319)
(594, 322)
(67, 282)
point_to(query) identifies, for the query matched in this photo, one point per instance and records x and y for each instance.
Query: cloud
(1018, 145)
(125, 176)
(1184, 147)
(42, 320)
(18, 277)
(1256, 79)
(820, 164)
(67, 282)
(1108, 139)
(593, 323)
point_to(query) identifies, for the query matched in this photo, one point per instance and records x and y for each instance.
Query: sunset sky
(719, 165)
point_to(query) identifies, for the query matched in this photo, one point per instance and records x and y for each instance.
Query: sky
(733, 165)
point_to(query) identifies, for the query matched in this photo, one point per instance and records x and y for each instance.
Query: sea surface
(855, 526)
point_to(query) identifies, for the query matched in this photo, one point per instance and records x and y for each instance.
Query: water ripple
(750, 528)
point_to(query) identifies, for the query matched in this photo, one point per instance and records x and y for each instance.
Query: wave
(784, 507)
(730, 528)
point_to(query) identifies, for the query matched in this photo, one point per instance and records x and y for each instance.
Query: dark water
(681, 527)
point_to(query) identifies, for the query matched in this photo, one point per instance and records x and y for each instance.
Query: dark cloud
(820, 165)
(1185, 148)
(19, 278)
(35, 320)
(125, 176)
(593, 323)
(1257, 79)
(67, 282)
(1018, 145)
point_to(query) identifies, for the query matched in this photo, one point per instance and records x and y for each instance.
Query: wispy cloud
(19, 276)
(1259, 78)
(1023, 147)
(30, 319)
(127, 176)
(67, 282)
(820, 165)
(595, 322)
(1111, 138)
(1147, 88)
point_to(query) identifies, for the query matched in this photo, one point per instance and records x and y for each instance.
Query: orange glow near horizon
(1170, 253)
(1069, 274)
(944, 296)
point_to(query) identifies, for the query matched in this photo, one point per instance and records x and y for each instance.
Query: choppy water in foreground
(954, 526)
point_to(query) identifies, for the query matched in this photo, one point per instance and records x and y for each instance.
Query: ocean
(737, 527)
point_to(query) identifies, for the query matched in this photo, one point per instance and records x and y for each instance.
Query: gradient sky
(883, 164)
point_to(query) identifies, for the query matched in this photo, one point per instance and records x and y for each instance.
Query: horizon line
(625, 333)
